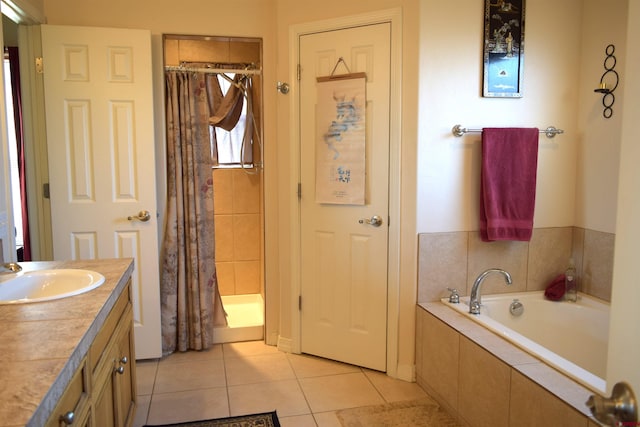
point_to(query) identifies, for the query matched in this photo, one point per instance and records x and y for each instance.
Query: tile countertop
(42, 344)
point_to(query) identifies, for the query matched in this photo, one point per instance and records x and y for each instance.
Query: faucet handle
(474, 307)
(12, 266)
(454, 297)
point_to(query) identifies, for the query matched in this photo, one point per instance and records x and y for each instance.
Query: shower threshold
(245, 318)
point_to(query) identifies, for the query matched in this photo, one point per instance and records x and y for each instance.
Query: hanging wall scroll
(340, 138)
(503, 48)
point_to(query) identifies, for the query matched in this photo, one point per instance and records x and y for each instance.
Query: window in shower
(233, 147)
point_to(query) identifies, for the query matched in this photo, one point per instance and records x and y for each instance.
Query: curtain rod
(213, 70)
(550, 132)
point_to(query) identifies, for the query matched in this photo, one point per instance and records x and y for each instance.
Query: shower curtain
(191, 303)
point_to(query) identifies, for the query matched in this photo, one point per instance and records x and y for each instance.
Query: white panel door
(344, 259)
(100, 135)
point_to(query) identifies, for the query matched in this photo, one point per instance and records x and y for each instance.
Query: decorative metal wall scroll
(503, 48)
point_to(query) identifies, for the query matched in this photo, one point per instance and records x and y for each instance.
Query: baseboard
(285, 344)
(406, 373)
(271, 338)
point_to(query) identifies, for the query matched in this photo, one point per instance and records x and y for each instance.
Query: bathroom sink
(46, 285)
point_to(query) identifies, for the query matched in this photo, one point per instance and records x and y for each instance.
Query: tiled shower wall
(455, 259)
(238, 226)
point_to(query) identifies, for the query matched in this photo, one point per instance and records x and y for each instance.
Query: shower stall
(239, 253)
(237, 176)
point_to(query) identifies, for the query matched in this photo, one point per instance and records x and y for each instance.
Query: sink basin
(46, 285)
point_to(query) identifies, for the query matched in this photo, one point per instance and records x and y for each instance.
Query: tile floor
(249, 377)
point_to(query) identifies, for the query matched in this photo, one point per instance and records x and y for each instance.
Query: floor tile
(306, 366)
(145, 376)
(214, 352)
(393, 390)
(142, 410)
(256, 369)
(173, 377)
(283, 396)
(327, 419)
(297, 421)
(190, 405)
(250, 377)
(330, 393)
(247, 348)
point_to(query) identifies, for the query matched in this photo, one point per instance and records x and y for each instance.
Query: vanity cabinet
(74, 406)
(102, 392)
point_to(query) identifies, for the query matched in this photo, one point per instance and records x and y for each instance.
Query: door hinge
(45, 190)
(299, 191)
(39, 65)
(299, 302)
(299, 72)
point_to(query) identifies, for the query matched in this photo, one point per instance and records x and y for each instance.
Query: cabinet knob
(120, 370)
(124, 360)
(68, 418)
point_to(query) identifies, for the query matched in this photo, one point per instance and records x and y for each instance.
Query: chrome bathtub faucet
(10, 267)
(474, 299)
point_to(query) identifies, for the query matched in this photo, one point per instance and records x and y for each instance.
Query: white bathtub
(571, 337)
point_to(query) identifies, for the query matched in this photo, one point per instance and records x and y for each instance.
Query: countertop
(42, 344)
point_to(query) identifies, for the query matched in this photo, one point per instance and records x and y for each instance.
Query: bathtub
(570, 337)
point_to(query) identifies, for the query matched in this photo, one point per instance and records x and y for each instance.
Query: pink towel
(508, 183)
(555, 290)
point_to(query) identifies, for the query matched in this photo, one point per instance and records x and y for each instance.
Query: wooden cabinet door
(125, 385)
(103, 404)
(114, 375)
(73, 407)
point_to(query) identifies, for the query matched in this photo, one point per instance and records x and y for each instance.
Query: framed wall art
(503, 48)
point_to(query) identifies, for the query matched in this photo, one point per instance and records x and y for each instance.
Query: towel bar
(550, 131)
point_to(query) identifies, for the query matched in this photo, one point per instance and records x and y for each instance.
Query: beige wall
(599, 147)
(450, 93)
(577, 171)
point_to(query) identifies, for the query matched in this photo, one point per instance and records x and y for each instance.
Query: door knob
(143, 216)
(618, 410)
(375, 220)
(68, 418)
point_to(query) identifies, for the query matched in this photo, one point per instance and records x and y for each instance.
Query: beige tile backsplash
(238, 222)
(597, 264)
(455, 259)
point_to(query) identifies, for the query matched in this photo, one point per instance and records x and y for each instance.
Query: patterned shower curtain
(191, 303)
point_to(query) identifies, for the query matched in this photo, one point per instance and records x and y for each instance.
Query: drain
(516, 308)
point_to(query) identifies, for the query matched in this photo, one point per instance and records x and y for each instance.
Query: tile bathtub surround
(597, 264)
(486, 381)
(455, 259)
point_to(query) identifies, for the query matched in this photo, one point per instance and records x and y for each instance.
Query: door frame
(29, 19)
(393, 16)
